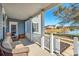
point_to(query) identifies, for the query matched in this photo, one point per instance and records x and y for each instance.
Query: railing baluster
(42, 42)
(75, 43)
(51, 43)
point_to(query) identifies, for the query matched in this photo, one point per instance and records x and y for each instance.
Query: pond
(74, 32)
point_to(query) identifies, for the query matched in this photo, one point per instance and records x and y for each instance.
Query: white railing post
(57, 45)
(51, 43)
(42, 42)
(75, 43)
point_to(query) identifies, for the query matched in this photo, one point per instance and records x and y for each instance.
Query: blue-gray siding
(21, 29)
(1, 26)
(28, 29)
(36, 36)
(1, 23)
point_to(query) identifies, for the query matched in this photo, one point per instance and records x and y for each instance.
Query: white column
(31, 28)
(75, 43)
(51, 43)
(42, 29)
(42, 42)
(42, 23)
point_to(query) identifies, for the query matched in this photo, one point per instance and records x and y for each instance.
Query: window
(34, 27)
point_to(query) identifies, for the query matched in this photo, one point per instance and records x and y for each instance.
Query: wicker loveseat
(14, 52)
(22, 51)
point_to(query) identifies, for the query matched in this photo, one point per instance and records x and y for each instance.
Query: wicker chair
(13, 52)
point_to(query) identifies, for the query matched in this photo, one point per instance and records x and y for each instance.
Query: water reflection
(74, 32)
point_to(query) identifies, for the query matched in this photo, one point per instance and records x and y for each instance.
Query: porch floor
(35, 50)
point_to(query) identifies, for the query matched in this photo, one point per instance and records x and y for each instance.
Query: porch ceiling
(23, 11)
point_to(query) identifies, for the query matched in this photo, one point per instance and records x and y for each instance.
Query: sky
(49, 17)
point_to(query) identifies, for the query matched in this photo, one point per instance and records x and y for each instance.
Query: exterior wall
(37, 19)
(20, 26)
(1, 26)
(1, 23)
(28, 29)
(33, 36)
(0, 9)
(36, 36)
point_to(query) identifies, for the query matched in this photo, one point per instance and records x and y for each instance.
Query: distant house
(49, 26)
(53, 29)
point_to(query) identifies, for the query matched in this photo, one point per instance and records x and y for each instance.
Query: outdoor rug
(63, 46)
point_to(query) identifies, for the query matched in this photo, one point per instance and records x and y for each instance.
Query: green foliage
(60, 9)
(68, 13)
(71, 29)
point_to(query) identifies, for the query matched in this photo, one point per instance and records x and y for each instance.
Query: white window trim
(14, 23)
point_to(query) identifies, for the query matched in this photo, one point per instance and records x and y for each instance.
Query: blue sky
(49, 17)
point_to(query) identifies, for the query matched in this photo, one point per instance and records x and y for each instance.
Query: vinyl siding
(1, 23)
(28, 29)
(37, 19)
(21, 29)
(36, 36)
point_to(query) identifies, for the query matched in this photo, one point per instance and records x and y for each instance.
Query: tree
(68, 13)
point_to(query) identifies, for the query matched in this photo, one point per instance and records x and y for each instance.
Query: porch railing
(50, 43)
(36, 38)
(54, 44)
(47, 42)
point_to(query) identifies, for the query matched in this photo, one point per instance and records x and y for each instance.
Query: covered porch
(25, 22)
(35, 49)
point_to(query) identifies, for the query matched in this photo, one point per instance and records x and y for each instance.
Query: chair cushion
(21, 54)
(20, 50)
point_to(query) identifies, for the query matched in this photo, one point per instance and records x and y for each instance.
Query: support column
(42, 29)
(42, 42)
(42, 23)
(4, 21)
(31, 27)
(75, 43)
(51, 43)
